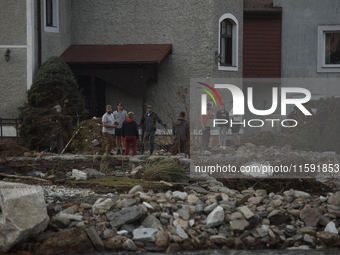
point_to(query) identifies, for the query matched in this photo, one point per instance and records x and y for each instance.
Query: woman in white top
(235, 128)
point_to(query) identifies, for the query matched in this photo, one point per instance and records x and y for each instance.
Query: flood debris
(23, 213)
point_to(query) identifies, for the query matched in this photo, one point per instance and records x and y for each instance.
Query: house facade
(76, 30)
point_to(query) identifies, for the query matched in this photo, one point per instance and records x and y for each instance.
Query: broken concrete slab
(23, 213)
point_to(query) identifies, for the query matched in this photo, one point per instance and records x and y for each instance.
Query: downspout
(39, 33)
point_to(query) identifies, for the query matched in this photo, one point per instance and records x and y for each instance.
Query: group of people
(222, 128)
(121, 125)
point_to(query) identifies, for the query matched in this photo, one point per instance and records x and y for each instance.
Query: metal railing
(9, 128)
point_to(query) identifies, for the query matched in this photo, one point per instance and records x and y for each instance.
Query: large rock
(68, 241)
(179, 195)
(129, 245)
(216, 217)
(79, 175)
(137, 172)
(95, 239)
(94, 174)
(124, 216)
(145, 234)
(184, 212)
(219, 239)
(334, 200)
(136, 189)
(162, 239)
(23, 213)
(102, 205)
(239, 225)
(310, 216)
(151, 222)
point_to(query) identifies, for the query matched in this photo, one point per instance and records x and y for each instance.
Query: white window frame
(55, 9)
(234, 66)
(322, 67)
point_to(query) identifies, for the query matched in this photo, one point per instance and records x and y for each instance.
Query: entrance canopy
(128, 67)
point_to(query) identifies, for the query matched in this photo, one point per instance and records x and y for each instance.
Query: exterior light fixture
(7, 54)
(218, 55)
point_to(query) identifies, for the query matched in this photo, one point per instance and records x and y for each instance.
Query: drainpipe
(39, 33)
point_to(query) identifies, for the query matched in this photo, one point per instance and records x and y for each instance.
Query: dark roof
(126, 53)
(259, 5)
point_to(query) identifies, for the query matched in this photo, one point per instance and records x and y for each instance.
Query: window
(228, 43)
(328, 49)
(51, 16)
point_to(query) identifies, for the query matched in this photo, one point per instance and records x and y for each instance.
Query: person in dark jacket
(148, 121)
(130, 134)
(181, 131)
(222, 128)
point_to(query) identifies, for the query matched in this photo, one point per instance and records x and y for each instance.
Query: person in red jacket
(130, 134)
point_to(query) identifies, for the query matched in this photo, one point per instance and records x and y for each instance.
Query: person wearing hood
(148, 121)
(181, 131)
(130, 134)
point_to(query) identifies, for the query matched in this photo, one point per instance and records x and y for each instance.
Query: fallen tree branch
(25, 177)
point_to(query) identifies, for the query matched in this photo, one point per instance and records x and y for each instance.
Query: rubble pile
(9, 148)
(192, 220)
(88, 137)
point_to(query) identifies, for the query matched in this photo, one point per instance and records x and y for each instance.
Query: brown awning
(127, 53)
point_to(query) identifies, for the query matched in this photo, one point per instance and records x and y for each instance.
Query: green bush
(42, 124)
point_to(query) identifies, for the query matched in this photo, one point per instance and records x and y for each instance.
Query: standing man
(222, 128)
(148, 121)
(181, 131)
(108, 128)
(235, 128)
(130, 134)
(205, 123)
(120, 115)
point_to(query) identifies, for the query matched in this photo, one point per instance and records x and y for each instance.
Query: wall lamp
(218, 55)
(7, 54)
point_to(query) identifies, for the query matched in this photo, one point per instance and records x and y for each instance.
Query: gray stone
(184, 212)
(145, 234)
(199, 208)
(124, 216)
(129, 245)
(239, 225)
(95, 239)
(128, 227)
(151, 222)
(331, 228)
(334, 200)
(179, 195)
(23, 213)
(137, 173)
(210, 208)
(262, 232)
(162, 239)
(71, 210)
(310, 216)
(94, 174)
(181, 232)
(246, 212)
(307, 238)
(219, 239)
(61, 221)
(323, 221)
(79, 175)
(173, 248)
(230, 205)
(216, 217)
(135, 189)
(125, 203)
(102, 205)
